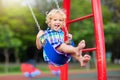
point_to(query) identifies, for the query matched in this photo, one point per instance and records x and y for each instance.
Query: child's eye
(55, 19)
(60, 20)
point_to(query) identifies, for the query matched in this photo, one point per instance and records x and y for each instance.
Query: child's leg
(75, 52)
(83, 60)
(68, 49)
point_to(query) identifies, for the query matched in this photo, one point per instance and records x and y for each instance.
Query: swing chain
(30, 8)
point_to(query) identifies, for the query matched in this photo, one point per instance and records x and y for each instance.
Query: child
(55, 20)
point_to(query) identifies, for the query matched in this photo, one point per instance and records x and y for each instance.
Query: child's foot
(81, 45)
(84, 60)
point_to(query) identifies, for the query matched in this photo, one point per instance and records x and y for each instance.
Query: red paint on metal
(81, 18)
(100, 42)
(88, 49)
(64, 68)
(99, 37)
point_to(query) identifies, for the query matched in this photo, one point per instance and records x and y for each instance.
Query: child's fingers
(69, 36)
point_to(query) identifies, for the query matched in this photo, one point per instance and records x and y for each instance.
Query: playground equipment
(29, 70)
(55, 56)
(99, 38)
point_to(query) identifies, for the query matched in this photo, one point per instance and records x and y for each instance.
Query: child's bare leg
(68, 49)
(75, 52)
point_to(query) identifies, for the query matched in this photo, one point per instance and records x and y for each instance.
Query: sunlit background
(18, 32)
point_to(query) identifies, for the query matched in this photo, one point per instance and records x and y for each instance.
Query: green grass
(15, 69)
(113, 66)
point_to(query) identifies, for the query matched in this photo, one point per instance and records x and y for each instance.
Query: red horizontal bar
(81, 18)
(88, 49)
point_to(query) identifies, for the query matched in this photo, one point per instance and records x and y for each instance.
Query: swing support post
(99, 37)
(64, 68)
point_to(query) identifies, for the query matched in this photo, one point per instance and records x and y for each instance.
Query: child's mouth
(57, 26)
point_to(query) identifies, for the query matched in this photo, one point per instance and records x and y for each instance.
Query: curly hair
(51, 14)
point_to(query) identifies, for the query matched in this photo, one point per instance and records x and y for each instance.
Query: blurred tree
(7, 41)
(114, 7)
(112, 29)
(22, 26)
(22, 29)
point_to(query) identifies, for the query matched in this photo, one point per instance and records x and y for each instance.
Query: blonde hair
(51, 14)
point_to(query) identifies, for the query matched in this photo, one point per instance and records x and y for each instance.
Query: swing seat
(55, 56)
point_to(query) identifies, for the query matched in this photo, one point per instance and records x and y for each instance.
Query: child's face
(56, 22)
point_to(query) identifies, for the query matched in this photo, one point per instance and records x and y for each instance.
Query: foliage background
(18, 29)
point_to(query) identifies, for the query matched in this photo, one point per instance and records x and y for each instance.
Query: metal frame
(99, 38)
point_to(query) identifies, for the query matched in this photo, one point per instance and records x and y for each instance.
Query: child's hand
(38, 43)
(69, 36)
(40, 33)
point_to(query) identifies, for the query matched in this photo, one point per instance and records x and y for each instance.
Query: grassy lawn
(15, 69)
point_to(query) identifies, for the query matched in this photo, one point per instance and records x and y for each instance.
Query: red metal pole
(88, 49)
(66, 6)
(100, 44)
(81, 18)
(64, 68)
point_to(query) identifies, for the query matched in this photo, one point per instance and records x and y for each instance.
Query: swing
(56, 58)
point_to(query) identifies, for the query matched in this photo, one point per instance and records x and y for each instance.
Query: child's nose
(58, 22)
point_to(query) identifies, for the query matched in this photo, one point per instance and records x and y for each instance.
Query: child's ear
(49, 24)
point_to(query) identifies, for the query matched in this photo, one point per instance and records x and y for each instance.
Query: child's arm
(38, 43)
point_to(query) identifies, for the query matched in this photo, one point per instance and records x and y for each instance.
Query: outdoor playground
(69, 71)
(74, 74)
